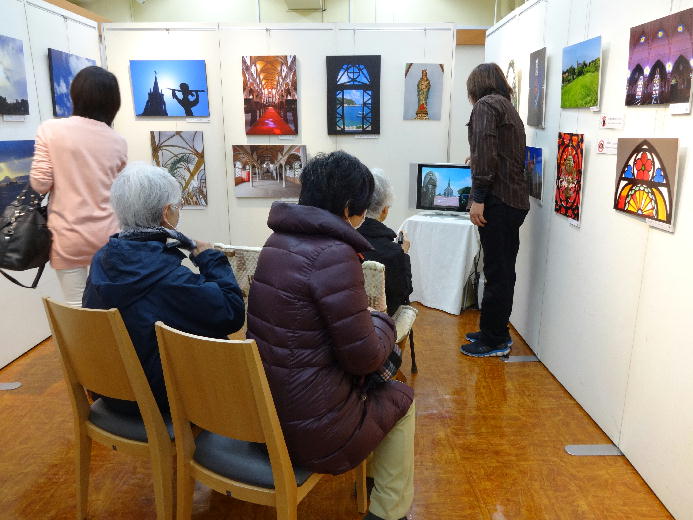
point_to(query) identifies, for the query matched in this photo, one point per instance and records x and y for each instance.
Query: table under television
(442, 253)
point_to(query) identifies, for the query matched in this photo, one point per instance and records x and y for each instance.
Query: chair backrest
(374, 281)
(219, 385)
(98, 355)
(244, 263)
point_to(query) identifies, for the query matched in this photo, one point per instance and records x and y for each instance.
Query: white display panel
(23, 321)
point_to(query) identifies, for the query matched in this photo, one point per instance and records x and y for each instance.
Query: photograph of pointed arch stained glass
(353, 94)
(568, 195)
(173, 88)
(646, 180)
(660, 60)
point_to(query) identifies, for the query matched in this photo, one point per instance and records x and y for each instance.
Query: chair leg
(414, 368)
(162, 475)
(361, 491)
(287, 512)
(185, 492)
(83, 459)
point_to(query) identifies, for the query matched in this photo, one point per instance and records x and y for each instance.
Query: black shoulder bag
(25, 240)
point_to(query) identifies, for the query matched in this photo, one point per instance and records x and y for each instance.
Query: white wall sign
(612, 121)
(607, 146)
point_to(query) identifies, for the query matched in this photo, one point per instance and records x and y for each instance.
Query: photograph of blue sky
(170, 74)
(459, 178)
(354, 95)
(15, 158)
(584, 51)
(12, 72)
(63, 68)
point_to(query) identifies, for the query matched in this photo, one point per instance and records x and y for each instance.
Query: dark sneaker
(476, 336)
(478, 349)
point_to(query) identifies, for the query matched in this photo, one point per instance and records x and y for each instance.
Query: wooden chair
(220, 386)
(404, 316)
(97, 354)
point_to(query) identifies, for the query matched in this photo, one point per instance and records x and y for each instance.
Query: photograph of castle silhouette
(14, 99)
(15, 164)
(172, 88)
(443, 187)
(63, 68)
(270, 95)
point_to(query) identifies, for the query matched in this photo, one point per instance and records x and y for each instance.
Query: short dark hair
(336, 181)
(95, 94)
(486, 79)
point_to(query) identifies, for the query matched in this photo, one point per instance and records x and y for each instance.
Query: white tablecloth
(442, 258)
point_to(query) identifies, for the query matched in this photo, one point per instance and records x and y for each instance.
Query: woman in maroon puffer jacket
(308, 313)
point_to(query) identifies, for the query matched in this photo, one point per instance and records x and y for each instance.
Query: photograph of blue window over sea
(353, 94)
(443, 187)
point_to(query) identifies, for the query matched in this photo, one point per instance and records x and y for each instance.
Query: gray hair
(140, 193)
(382, 193)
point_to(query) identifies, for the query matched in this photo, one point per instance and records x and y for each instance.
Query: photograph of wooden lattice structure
(183, 155)
(268, 170)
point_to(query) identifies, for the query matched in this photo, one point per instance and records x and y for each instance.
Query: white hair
(140, 193)
(382, 193)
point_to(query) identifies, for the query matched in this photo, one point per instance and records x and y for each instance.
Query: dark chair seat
(124, 425)
(238, 460)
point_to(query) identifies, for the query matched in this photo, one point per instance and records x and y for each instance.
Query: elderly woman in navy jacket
(139, 271)
(308, 312)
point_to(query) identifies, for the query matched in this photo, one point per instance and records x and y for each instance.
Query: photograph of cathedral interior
(270, 95)
(268, 170)
(202, 321)
(169, 87)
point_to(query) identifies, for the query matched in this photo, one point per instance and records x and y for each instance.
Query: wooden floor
(489, 445)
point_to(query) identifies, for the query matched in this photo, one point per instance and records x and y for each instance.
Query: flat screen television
(443, 187)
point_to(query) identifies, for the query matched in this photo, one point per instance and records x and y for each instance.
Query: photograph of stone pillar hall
(659, 60)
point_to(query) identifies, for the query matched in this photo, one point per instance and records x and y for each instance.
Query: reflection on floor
(271, 123)
(489, 446)
(266, 188)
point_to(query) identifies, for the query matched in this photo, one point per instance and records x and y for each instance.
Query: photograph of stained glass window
(569, 175)
(537, 88)
(659, 61)
(353, 94)
(534, 169)
(270, 95)
(581, 74)
(268, 170)
(14, 99)
(183, 155)
(646, 177)
(423, 91)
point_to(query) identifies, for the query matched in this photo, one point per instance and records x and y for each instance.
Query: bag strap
(33, 284)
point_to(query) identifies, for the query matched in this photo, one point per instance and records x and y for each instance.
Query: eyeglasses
(177, 206)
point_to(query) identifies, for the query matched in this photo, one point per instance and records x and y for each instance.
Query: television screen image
(443, 187)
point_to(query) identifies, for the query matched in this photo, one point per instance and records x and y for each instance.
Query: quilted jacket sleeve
(361, 340)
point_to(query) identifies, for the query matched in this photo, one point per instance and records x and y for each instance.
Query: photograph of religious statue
(513, 76)
(353, 94)
(581, 73)
(646, 177)
(15, 164)
(423, 91)
(14, 98)
(63, 67)
(169, 88)
(270, 95)
(537, 88)
(569, 176)
(270, 171)
(659, 61)
(534, 169)
(183, 155)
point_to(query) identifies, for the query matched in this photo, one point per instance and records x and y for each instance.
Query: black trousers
(500, 241)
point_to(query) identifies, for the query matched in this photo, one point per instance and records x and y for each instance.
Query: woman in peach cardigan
(76, 159)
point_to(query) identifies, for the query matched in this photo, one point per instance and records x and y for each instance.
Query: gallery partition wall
(603, 300)
(41, 29)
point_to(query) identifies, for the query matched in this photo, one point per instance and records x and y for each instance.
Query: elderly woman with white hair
(386, 250)
(139, 272)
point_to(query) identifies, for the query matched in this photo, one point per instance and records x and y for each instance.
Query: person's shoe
(478, 349)
(476, 336)
(371, 516)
